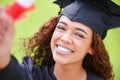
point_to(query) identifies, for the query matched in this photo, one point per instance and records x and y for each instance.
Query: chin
(61, 60)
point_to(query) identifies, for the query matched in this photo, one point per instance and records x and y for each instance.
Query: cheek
(82, 47)
(51, 44)
(53, 40)
(80, 53)
(55, 37)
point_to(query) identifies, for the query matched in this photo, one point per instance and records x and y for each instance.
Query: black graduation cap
(99, 15)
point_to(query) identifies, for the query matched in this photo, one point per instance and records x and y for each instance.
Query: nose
(66, 38)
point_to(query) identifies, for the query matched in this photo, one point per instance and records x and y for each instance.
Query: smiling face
(71, 41)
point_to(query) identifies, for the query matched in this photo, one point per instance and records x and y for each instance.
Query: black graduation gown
(28, 71)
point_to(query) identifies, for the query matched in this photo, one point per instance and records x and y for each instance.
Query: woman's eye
(79, 35)
(60, 28)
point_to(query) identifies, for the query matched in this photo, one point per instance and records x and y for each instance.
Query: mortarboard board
(99, 15)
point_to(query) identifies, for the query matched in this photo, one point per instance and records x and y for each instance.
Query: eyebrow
(63, 23)
(80, 29)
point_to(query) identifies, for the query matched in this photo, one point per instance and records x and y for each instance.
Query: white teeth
(64, 50)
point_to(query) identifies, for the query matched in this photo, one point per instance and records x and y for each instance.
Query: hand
(6, 34)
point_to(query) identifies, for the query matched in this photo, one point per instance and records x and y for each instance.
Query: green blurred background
(44, 9)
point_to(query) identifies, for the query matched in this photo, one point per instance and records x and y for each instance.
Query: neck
(69, 72)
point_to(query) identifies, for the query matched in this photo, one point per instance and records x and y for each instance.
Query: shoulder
(91, 75)
(14, 71)
(26, 71)
(38, 72)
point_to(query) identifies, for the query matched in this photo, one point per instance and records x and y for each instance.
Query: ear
(91, 51)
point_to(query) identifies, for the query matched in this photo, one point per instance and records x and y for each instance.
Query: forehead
(73, 23)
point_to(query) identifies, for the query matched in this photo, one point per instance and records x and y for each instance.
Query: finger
(6, 21)
(2, 33)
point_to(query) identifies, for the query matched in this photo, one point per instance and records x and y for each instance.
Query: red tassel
(15, 10)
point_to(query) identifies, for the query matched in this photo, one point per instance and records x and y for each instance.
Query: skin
(70, 42)
(74, 41)
(7, 32)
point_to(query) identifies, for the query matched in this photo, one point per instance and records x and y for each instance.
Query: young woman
(67, 47)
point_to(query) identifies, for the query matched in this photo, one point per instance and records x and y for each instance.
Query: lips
(63, 50)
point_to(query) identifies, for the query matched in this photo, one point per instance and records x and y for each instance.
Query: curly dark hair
(39, 46)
